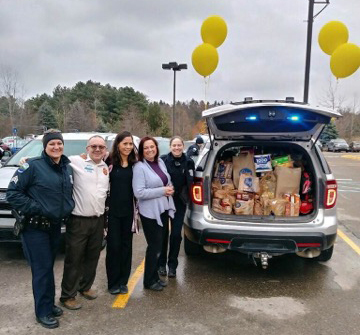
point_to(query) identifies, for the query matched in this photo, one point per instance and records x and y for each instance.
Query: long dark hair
(141, 148)
(115, 156)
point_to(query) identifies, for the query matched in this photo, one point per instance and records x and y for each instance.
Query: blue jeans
(40, 249)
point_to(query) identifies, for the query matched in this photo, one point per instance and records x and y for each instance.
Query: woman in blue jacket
(41, 191)
(153, 188)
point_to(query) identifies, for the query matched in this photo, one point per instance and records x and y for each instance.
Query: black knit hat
(48, 136)
(199, 140)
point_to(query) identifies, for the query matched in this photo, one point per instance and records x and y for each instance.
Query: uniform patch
(23, 167)
(105, 171)
(194, 149)
(14, 179)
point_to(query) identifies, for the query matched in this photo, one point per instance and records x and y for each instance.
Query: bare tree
(131, 122)
(12, 90)
(331, 97)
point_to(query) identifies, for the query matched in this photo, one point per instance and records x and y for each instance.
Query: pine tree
(46, 116)
(330, 132)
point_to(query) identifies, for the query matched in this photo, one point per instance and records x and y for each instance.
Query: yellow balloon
(345, 60)
(214, 30)
(332, 35)
(205, 59)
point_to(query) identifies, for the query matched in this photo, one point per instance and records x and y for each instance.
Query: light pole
(175, 67)
(310, 21)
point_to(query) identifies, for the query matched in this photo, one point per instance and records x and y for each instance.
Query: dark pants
(119, 251)
(40, 249)
(175, 237)
(83, 245)
(154, 236)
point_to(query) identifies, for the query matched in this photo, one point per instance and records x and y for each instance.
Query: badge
(89, 168)
(23, 167)
(14, 179)
(105, 171)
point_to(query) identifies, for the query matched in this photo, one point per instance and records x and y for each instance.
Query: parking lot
(214, 294)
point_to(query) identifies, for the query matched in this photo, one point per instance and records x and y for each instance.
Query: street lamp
(175, 67)
(311, 18)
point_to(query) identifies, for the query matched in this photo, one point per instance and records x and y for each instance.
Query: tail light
(330, 194)
(197, 192)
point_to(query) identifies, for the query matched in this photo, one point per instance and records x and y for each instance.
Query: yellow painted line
(349, 241)
(351, 157)
(122, 299)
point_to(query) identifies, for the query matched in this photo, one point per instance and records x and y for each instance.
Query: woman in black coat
(181, 169)
(121, 213)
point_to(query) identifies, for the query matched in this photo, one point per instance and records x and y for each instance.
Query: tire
(325, 255)
(191, 248)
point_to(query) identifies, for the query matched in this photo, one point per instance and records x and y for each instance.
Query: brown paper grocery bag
(287, 180)
(244, 163)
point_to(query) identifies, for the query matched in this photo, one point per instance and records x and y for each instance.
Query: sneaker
(162, 283)
(71, 303)
(162, 271)
(172, 273)
(89, 294)
(114, 291)
(124, 289)
(154, 287)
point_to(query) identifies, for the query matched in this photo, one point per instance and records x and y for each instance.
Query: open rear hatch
(268, 120)
(262, 174)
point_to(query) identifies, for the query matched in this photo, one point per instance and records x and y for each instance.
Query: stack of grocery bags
(249, 184)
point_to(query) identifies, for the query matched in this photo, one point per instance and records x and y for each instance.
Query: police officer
(194, 149)
(41, 190)
(181, 171)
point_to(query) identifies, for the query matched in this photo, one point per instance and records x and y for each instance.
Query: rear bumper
(273, 243)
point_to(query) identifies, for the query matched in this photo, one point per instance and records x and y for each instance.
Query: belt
(87, 217)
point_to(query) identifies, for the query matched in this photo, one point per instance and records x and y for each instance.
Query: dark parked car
(355, 146)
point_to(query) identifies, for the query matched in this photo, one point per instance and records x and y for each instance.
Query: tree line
(92, 106)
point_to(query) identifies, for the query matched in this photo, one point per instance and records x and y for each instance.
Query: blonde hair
(176, 137)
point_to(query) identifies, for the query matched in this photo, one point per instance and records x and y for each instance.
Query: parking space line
(122, 299)
(352, 244)
(351, 157)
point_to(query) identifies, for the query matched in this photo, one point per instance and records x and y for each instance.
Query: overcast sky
(124, 43)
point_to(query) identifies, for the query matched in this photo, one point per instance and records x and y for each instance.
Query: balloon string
(207, 85)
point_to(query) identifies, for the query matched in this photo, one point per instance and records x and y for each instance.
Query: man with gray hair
(84, 232)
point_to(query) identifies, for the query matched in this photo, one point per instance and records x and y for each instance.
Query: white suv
(75, 144)
(279, 128)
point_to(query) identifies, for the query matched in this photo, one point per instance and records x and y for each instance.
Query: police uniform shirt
(91, 183)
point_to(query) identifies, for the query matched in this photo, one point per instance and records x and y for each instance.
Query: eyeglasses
(100, 147)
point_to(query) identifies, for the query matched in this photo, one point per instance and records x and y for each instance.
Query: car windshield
(35, 147)
(164, 145)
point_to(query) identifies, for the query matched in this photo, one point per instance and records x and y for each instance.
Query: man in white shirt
(84, 231)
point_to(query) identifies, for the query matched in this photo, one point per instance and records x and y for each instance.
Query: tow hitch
(264, 258)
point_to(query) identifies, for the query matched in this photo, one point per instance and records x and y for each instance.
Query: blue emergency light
(251, 118)
(293, 118)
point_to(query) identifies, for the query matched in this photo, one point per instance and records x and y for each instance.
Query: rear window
(269, 119)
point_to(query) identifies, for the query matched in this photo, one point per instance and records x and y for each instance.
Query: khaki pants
(84, 236)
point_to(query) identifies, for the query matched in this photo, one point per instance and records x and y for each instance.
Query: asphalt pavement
(213, 293)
